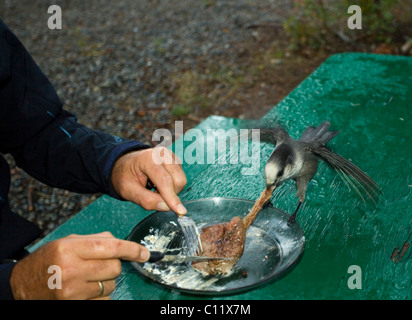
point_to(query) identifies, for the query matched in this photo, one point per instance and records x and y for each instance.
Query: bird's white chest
(296, 167)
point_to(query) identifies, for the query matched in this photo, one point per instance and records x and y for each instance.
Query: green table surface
(368, 97)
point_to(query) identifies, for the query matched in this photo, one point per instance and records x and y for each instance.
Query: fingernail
(181, 209)
(144, 255)
(162, 206)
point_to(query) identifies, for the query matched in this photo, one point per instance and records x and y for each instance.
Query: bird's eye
(280, 173)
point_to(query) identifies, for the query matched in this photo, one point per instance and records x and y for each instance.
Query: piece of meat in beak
(227, 240)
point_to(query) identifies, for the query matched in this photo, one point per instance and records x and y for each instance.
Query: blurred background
(130, 67)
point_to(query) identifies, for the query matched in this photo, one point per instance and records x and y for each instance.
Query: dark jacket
(47, 142)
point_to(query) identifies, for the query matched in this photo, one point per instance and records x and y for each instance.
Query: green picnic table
(369, 98)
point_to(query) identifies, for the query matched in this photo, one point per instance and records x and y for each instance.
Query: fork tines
(191, 235)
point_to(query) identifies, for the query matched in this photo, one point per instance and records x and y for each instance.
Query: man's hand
(132, 171)
(83, 260)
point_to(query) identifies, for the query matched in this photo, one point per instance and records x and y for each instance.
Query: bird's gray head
(280, 165)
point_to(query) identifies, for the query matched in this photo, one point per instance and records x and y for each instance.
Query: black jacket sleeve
(45, 140)
(68, 155)
(5, 273)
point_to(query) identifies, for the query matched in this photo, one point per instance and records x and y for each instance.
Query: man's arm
(53, 147)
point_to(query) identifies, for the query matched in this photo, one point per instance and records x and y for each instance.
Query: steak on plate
(227, 240)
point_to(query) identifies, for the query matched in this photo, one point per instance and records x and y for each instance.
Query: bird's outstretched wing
(270, 130)
(352, 175)
(273, 135)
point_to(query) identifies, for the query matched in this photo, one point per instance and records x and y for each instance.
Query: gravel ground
(129, 67)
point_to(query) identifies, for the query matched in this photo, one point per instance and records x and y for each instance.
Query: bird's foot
(292, 220)
(267, 204)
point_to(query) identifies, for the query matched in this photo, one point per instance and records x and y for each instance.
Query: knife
(157, 256)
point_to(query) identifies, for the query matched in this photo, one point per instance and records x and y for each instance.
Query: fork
(191, 235)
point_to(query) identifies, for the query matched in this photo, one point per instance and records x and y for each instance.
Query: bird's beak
(271, 188)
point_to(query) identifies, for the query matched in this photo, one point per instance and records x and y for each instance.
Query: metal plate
(272, 249)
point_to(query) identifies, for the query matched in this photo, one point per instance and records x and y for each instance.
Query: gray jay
(298, 160)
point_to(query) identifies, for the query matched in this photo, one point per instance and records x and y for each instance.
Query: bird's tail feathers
(320, 134)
